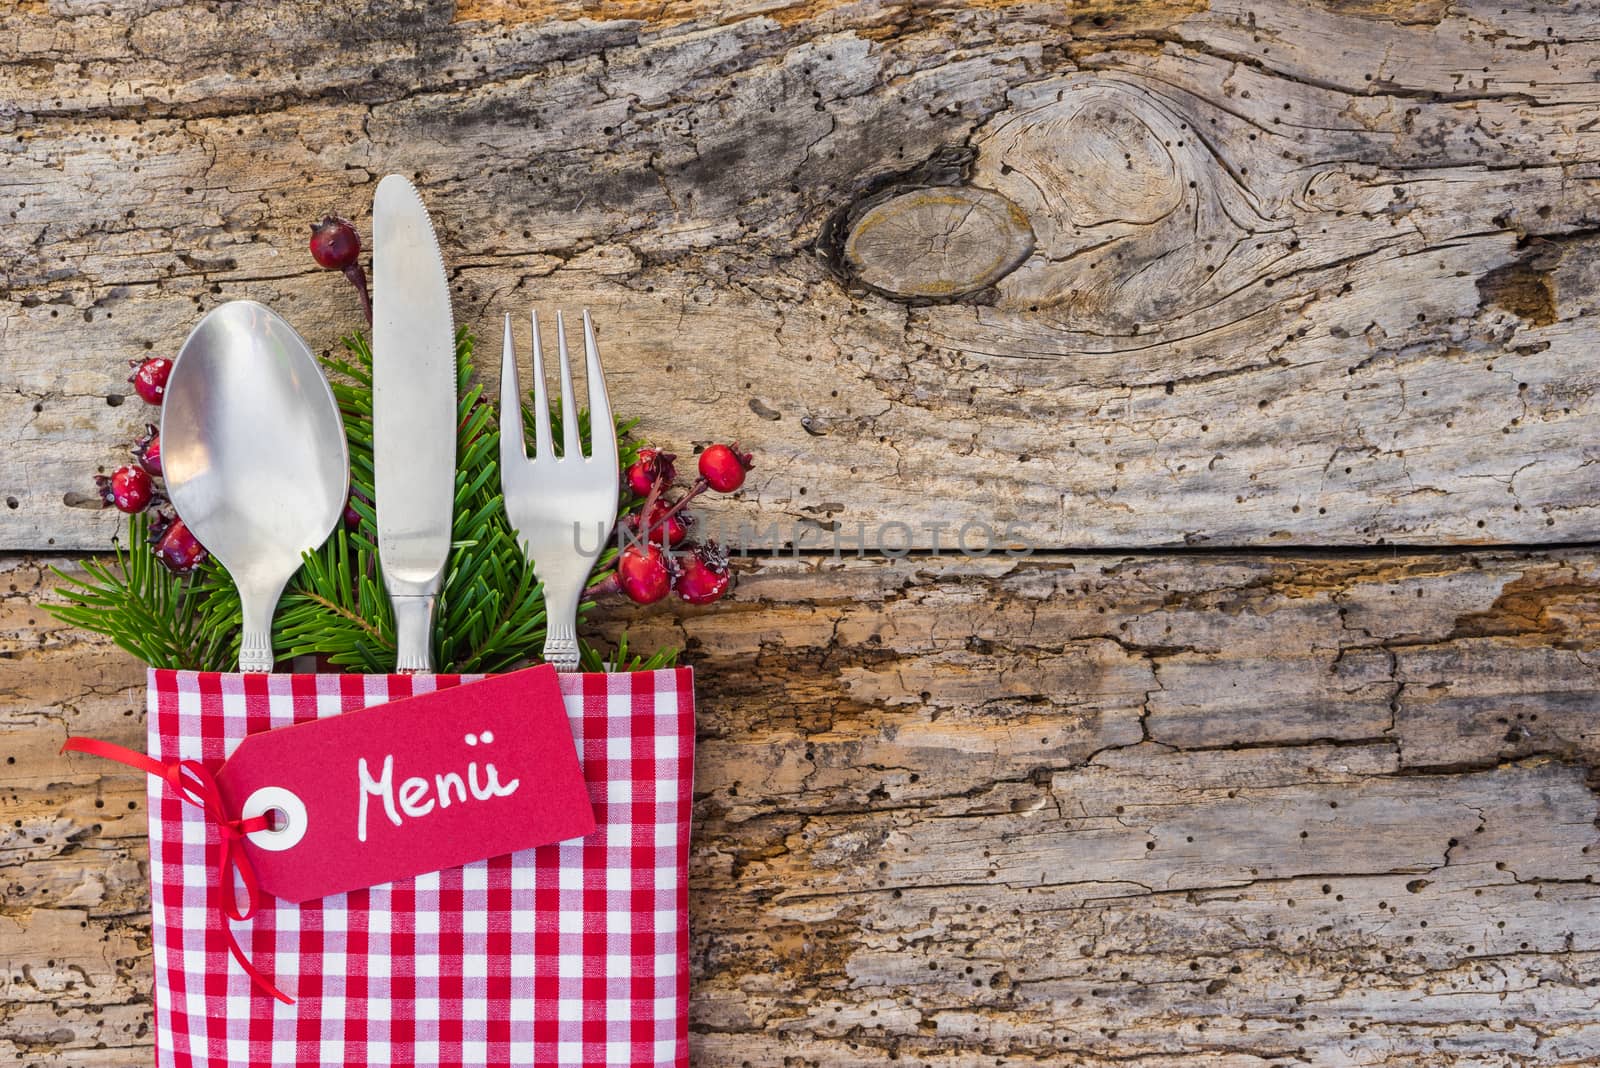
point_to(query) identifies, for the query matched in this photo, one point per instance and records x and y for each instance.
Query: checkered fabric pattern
(569, 954)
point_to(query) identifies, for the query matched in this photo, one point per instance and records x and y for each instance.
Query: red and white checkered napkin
(571, 954)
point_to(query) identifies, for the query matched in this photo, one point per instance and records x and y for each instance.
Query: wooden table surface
(1270, 326)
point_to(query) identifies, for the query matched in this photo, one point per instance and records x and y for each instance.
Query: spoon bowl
(254, 456)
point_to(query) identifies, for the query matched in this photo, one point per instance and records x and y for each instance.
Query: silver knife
(413, 413)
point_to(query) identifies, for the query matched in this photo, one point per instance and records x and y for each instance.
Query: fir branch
(591, 658)
(144, 608)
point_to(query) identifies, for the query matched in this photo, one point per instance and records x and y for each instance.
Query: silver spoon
(254, 456)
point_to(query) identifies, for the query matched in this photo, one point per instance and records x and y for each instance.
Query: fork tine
(571, 446)
(513, 439)
(602, 429)
(543, 449)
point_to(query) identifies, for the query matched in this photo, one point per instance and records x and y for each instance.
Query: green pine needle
(161, 618)
(490, 612)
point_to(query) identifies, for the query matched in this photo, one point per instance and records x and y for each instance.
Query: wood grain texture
(1220, 810)
(1301, 273)
(1280, 277)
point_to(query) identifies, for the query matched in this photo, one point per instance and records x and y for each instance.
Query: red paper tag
(411, 786)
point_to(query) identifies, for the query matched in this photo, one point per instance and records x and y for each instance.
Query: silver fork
(562, 507)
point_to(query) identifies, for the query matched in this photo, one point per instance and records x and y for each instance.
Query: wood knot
(938, 243)
(923, 236)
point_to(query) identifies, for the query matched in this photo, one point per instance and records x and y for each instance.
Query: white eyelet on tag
(293, 810)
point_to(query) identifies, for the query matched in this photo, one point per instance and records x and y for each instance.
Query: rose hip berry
(175, 547)
(149, 378)
(642, 573)
(723, 467)
(336, 245)
(658, 555)
(652, 466)
(703, 576)
(672, 529)
(352, 518)
(128, 487)
(147, 450)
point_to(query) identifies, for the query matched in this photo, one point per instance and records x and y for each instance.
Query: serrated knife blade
(413, 413)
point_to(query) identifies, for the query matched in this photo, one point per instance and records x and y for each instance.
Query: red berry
(653, 465)
(703, 576)
(150, 378)
(642, 573)
(147, 450)
(336, 246)
(129, 488)
(352, 515)
(723, 467)
(334, 243)
(175, 546)
(673, 529)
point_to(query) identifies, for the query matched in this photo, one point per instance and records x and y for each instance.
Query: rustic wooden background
(1273, 325)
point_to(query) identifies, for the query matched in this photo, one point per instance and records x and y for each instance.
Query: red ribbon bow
(195, 784)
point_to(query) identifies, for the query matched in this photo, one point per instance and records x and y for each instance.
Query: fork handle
(561, 648)
(561, 630)
(413, 633)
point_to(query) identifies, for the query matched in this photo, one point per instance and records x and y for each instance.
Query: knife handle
(413, 633)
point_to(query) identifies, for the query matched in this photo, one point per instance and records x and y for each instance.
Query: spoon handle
(255, 646)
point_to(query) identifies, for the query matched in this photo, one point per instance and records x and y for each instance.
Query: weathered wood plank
(1303, 272)
(1300, 273)
(1191, 809)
